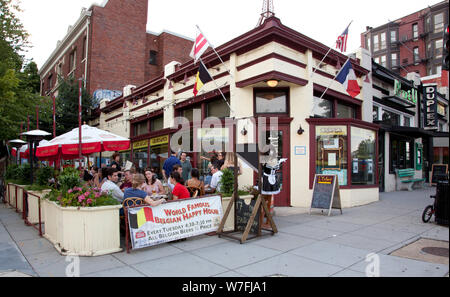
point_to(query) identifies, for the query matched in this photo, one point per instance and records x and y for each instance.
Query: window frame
(348, 123)
(275, 90)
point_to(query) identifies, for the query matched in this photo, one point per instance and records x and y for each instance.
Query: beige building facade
(330, 135)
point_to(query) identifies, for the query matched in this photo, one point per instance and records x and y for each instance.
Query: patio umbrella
(24, 151)
(93, 140)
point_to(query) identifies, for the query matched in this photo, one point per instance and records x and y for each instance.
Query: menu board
(438, 172)
(326, 193)
(243, 214)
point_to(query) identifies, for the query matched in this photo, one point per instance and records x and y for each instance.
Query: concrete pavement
(351, 244)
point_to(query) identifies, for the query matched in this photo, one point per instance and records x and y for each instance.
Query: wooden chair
(195, 191)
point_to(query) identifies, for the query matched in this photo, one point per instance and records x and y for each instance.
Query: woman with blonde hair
(137, 191)
(229, 163)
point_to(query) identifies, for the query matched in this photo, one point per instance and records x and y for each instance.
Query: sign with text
(175, 220)
(326, 193)
(430, 101)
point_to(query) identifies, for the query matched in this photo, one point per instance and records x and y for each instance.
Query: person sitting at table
(127, 183)
(137, 191)
(216, 176)
(176, 168)
(110, 185)
(179, 190)
(196, 182)
(153, 185)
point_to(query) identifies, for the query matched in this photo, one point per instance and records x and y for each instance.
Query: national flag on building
(143, 216)
(203, 77)
(347, 78)
(341, 42)
(200, 46)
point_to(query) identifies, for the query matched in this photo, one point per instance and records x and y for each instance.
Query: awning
(408, 131)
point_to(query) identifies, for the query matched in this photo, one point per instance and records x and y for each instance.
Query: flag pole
(218, 88)
(329, 86)
(320, 64)
(215, 52)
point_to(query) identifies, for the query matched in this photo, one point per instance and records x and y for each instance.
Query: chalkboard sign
(326, 193)
(243, 214)
(438, 172)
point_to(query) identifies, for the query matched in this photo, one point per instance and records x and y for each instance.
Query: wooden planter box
(229, 223)
(89, 231)
(20, 192)
(33, 206)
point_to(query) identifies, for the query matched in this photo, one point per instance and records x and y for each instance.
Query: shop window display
(331, 144)
(363, 156)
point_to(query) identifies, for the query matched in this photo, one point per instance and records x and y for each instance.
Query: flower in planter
(85, 197)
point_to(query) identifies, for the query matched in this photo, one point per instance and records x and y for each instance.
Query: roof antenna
(267, 12)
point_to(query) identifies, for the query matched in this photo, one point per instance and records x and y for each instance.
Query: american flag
(200, 46)
(341, 42)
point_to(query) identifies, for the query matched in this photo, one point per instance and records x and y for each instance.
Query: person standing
(168, 165)
(187, 167)
(215, 180)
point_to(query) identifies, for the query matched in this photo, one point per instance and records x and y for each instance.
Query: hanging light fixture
(272, 83)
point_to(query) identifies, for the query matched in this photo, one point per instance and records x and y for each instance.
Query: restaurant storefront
(329, 135)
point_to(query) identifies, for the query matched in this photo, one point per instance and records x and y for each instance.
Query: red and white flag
(201, 44)
(341, 42)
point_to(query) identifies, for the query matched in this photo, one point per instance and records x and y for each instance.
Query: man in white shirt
(110, 186)
(216, 175)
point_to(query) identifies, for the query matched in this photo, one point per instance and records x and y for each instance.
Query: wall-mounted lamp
(300, 130)
(244, 131)
(272, 83)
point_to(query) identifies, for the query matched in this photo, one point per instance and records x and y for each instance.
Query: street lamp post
(33, 138)
(17, 143)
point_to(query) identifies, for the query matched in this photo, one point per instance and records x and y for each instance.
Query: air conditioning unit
(127, 90)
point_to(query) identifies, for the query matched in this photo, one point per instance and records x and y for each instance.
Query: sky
(47, 21)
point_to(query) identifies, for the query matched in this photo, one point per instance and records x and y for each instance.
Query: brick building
(412, 43)
(111, 53)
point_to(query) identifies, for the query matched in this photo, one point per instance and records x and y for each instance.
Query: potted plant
(226, 190)
(82, 220)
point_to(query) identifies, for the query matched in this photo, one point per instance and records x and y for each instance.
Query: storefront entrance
(279, 137)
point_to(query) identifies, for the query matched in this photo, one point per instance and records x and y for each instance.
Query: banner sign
(430, 120)
(176, 220)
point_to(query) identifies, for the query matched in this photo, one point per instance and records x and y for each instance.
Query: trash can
(442, 206)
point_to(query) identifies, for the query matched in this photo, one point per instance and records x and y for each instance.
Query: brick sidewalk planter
(85, 231)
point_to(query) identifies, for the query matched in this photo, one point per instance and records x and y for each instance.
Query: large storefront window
(331, 144)
(211, 140)
(140, 154)
(363, 156)
(159, 148)
(402, 153)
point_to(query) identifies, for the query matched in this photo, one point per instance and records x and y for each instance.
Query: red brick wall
(406, 29)
(118, 44)
(170, 48)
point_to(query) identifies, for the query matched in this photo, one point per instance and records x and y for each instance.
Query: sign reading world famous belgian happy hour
(176, 220)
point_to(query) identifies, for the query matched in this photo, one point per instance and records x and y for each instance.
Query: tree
(19, 88)
(67, 105)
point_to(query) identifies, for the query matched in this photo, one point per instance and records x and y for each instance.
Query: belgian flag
(143, 216)
(203, 77)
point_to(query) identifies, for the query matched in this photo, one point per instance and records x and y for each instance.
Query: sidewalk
(306, 245)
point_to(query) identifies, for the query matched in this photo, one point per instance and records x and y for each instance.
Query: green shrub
(227, 182)
(69, 181)
(12, 172)
(43, 174)
(24, 174)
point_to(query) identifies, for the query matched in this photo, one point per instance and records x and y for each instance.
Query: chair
(195, 191)
(130, 202)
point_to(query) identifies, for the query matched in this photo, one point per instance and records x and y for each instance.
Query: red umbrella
(93, 141)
